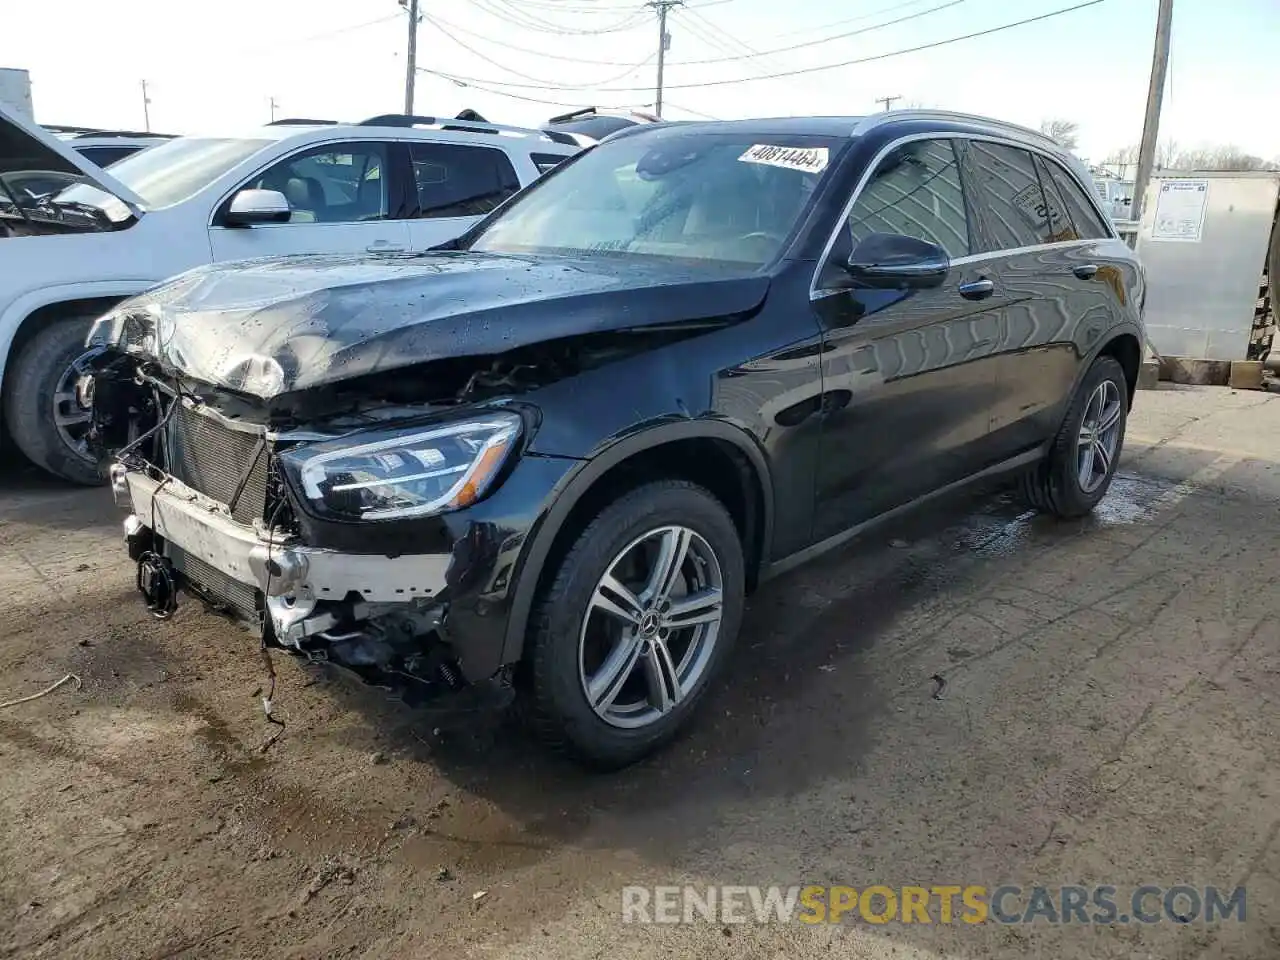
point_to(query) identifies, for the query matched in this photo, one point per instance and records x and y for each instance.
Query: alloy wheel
(651, 627)
(1099, 436)
(71, 418)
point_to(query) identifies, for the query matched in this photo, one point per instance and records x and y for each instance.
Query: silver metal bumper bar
(205, 530)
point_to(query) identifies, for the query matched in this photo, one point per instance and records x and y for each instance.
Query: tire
(565, 623)
(33, 380)
(1055, 485)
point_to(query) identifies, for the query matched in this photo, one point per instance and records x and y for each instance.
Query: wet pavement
(979, 695)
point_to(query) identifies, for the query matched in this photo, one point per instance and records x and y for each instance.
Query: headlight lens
(408, 473)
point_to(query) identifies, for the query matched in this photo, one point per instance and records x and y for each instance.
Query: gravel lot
(1110, 716)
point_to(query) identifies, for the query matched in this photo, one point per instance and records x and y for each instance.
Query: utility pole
(272, 101)
(664, 43)
(888, 101)
(146, 108)
(411, 67)
(1155, 94)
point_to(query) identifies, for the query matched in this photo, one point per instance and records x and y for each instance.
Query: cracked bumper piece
(283, 571)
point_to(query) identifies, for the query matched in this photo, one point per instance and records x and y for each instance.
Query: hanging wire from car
(268, 700)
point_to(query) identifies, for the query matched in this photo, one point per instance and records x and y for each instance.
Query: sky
(215, 67)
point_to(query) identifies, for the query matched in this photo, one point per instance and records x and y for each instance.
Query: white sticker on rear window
(806, 159)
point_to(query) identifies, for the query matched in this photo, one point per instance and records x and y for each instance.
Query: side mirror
(890, 260)
(250, 207)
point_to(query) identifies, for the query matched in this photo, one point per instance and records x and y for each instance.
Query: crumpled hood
(275, 326)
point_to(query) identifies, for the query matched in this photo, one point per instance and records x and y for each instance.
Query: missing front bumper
(305, 590)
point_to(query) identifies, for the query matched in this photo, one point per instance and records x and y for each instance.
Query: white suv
(391, 185)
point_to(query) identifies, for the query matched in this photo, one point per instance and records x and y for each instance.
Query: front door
(908, 375)
(343, 199)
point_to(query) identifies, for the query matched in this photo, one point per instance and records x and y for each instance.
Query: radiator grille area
(240, 598)
(212, 458)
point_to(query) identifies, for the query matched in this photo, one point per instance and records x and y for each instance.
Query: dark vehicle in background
(559, 451)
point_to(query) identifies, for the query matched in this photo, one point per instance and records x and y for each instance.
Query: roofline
(872, 121)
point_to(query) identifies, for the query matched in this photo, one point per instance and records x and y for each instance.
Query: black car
(560, 452)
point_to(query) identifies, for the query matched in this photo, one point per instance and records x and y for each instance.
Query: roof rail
(302, 122)
(445, 123)
(876, 119)
(126, 133)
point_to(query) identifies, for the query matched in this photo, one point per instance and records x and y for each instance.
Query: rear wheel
(636, 625)
(1075, 475)
(44, 416)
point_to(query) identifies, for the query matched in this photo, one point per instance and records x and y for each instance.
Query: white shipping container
(15, 92)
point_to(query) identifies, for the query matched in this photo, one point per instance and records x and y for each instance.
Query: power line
(529, 50)
(814, 43)
(631, 68)
(471, 85)
(828, 66)
(696, 113)
(511, 14)
(858, 19)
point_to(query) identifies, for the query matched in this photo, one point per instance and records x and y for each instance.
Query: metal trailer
(1208, 242)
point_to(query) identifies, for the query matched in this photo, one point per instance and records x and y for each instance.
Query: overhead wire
(519, 49)
(823, 67)
(566, 86)
(473, 85)
(508, 12)
(811, 43)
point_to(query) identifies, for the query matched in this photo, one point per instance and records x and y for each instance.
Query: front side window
(455, 180)
(1013, 204)
(344, 183)
(916, 192)
(727, 198)
(1084, 216)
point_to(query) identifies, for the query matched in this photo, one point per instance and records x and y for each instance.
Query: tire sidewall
(28, 401)
(642, 510)
(1067, 479)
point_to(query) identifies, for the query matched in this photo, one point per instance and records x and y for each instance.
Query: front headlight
(406, 473)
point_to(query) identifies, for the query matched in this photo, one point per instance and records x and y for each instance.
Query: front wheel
(44, 415)
(636, 625)
(1080, 465)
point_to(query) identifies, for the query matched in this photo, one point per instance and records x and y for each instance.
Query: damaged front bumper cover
(297, 582)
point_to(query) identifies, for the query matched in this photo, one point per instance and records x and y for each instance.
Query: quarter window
(1016, 213)
(916, 192)
(331, 184)
(454, 180)
(1061, 225)
(1088, 223)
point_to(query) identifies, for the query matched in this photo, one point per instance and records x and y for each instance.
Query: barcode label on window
(806, 159)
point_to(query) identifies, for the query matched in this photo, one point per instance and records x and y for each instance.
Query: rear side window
(1084, 216)
(1013, 205)
(454, 180)
(105, 156)
(1061, 226)
(915, 191)
(546, 161)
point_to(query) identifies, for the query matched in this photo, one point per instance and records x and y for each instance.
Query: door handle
(977, 289)
(385, 246)
(1085, 271)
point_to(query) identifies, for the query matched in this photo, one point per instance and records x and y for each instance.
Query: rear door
(344, 198)
(908, 377)
(455, 184)
(1050, 293)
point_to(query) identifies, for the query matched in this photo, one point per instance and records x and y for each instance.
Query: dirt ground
(1110, 716)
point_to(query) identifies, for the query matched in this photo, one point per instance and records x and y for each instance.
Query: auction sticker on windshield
(807, 159)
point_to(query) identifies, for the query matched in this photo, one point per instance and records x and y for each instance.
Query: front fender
(577, 482)
(16, 313)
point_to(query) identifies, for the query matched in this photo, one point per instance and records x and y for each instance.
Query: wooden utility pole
(888, 101)
(411, 67)
(1155, 95)
(146, 108)
(664, 41)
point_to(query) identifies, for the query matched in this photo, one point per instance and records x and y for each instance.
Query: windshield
(724, 198)
(171, 172)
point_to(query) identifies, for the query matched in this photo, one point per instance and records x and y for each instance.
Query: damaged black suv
(559, 452)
